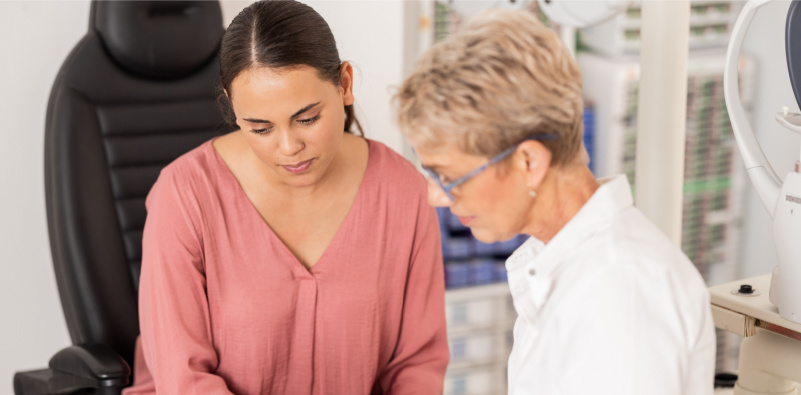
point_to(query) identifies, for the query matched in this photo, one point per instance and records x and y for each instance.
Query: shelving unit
(710, 27)
(478, 308)
(480, 322)
(714, 182)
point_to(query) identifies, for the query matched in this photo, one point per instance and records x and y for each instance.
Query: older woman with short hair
(606, 303)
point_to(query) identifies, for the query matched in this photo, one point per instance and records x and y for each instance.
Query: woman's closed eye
(309, 121)
(304, 122)
(432, 174)
(262, 130)
(443, 179)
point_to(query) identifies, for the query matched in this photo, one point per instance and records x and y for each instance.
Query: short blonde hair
(505, 77)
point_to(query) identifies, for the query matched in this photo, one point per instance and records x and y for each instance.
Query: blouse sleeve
(173, 308)
(421, 357)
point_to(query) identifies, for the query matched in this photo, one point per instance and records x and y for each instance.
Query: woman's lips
(299, 167)
(465, 220)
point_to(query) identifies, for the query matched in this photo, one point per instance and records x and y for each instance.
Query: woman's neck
(564, 192)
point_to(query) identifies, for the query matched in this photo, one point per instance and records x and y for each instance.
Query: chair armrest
(98, 364)
(75, 369)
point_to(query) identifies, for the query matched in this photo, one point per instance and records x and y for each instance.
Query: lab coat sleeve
(632, 336)
(173, 308)
(421, 355)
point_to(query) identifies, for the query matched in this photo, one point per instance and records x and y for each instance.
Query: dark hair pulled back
(279, 34)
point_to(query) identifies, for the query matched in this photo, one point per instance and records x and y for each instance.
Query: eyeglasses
(447, 187)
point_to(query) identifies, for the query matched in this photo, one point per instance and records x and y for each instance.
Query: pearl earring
(531, 191)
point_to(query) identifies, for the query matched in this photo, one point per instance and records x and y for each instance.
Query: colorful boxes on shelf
(469, 262)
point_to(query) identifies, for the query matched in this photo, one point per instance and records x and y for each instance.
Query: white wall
(35, 37)
(765, 42)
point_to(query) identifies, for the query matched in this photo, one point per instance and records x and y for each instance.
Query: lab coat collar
(612, 197)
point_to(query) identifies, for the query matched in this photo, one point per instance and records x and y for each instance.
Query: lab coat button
(531, 272)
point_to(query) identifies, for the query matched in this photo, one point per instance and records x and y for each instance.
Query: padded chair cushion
(159, 39)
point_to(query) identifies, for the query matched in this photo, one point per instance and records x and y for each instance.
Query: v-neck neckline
(242, 198)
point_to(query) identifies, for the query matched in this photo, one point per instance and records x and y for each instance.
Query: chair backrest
(134, 94)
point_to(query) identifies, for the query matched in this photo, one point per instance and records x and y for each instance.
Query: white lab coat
(609, 306)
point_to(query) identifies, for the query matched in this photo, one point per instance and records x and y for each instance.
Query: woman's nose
(436, 196)
(289, 145)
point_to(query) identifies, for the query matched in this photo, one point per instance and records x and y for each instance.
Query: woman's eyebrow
(304, 109)
(253, 120)
(301, 111)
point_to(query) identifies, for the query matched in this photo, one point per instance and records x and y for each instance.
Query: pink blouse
(226, 308)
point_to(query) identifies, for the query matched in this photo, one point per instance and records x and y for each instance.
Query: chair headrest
(159, 39)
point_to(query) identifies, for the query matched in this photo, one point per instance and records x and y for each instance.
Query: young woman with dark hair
(290, 256)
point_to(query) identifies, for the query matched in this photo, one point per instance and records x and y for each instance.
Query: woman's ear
(535, 161)
(346, 75)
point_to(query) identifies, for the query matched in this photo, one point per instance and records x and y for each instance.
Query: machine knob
(746, 289)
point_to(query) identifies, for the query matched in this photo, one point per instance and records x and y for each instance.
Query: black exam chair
(135, 93)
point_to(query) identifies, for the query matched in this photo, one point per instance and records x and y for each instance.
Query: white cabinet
(480, 321)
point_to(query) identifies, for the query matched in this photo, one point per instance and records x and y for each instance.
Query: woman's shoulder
(189, 172)
(633, 247)
(392, 168)
(195, 164)
(397, 188)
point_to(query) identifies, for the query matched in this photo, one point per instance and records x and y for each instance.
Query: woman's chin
(484, 235)
(301, 180)
(488, 236)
